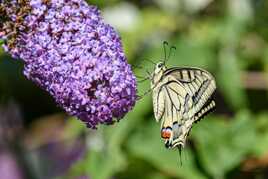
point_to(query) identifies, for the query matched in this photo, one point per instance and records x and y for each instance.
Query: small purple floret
(70, 52)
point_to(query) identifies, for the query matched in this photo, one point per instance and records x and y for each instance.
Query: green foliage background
(229, 38)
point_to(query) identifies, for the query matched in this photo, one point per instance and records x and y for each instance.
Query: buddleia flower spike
(69, 51)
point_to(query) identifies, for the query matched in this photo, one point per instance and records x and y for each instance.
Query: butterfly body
(181, 96)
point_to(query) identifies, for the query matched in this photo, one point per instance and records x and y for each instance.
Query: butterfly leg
(143, 79)
(144, 94)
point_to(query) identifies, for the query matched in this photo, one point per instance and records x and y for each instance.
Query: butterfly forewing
(198, 83)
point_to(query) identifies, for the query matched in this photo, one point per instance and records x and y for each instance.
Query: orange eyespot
(165, 134)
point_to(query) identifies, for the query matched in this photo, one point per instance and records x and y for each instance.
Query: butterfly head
(159, 67)
(159, 70)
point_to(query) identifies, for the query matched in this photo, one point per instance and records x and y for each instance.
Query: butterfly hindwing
(171, 116)
(174, 94)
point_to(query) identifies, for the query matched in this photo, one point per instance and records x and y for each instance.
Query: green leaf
(229, 73)
(104, 162)
(222, 145)
(147, 145)
(261, 146)
(229, 80)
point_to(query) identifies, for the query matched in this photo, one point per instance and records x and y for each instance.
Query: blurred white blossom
(170, 5)
(124, 16)
(196, 5)
(95, 141)
(240, 9)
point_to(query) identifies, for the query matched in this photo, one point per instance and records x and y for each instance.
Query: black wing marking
(199, 84)
(175, 97)
(175, 92)
(187, 97)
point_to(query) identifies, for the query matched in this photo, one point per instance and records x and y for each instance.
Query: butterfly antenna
(171, 50)
(144, 94)
(165, 44)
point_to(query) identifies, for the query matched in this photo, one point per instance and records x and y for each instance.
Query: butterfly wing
(200, 86)
(185, 94)
(158, 103)
(172, 121)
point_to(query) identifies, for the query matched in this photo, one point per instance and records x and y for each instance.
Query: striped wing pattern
(199, 84)
(159, 104)
(183, 98)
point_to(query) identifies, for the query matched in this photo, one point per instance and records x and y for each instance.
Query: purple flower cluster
(70, 52)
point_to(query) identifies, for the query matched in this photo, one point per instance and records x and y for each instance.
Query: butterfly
(181, 97)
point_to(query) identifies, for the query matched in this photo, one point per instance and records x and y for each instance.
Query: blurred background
(229, 38)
